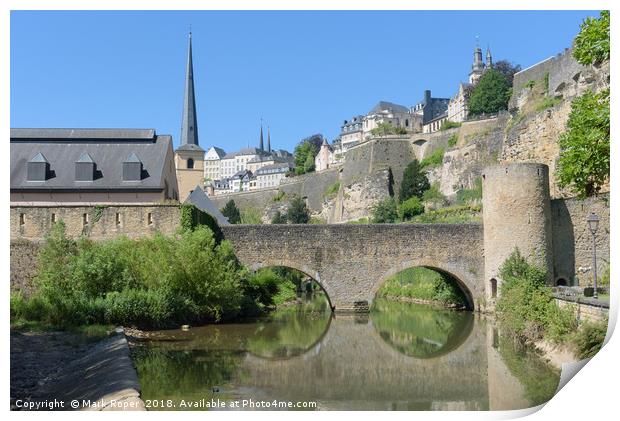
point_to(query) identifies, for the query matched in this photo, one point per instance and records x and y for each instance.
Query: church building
(189, 157)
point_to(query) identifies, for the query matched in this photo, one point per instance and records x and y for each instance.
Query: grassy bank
(422, 285)
(154, 282)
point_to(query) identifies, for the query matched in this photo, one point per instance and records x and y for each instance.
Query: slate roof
(384, 105)
(219, 151)
(108, 149)
(274, 168)
(200, 199)
(246, 151)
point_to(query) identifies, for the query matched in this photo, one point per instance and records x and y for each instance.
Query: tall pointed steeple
(260, 144)
(489, 58)
(268, 139)
(189, 124)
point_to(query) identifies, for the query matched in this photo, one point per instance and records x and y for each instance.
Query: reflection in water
(403, 356)
(417, 332)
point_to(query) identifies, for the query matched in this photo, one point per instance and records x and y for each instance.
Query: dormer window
(132, 168)
(85, 168)
(38, 168)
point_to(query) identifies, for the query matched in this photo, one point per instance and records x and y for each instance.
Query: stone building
(324, 158)
(92, 166)
(189, 158)
(431, 111)
(272, 175)
(388, 112)
(351, 131)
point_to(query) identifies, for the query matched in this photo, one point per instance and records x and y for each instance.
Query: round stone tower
(516, 212)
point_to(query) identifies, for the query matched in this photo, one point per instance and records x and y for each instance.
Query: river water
(401, 356)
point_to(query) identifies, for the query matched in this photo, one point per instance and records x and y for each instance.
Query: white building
(234, 162)
(387, 112)
(271, 175)
(324, 158)
(213, 163)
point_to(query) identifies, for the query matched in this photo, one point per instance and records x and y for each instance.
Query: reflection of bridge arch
(311, 350)
(457, 336)
(300, 266)
(465, 283)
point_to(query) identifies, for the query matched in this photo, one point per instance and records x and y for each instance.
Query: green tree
(231, 211)
(298, 212)
(279, 218)
(508, 69)
(414, 183)
(585, 146)
(385, 211)
(592, 42)
(305, 152)
(411, 207)
(491, 94)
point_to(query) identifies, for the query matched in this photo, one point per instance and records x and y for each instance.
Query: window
(118, 219)
(149, 218)
(22, 219)
(190, 163)
(84, 219)
(493, 288)
(53, 218)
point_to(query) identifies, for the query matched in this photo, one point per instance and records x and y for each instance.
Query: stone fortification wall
(34, 222)
(311, 186)
(572, 239)
(516, 214)
(258, 199)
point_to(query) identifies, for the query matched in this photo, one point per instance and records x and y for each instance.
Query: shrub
(411, 207)
(298, 212)
(231, 211)
(414, 183)
(279, 218)
(467, 196)
(279, 196)
(589, 338)
(385, 211)
(332, 190)
(449, 125)
(452, 140)
(433, 160)
(251, 216)
(434, 195)
(526, 307)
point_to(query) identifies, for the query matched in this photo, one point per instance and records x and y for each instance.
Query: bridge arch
(301, 267)
(465, 283)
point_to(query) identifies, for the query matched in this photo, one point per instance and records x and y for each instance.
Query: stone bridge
(351, 262)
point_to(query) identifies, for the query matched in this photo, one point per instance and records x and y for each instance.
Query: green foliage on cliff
(449, 125)
(387, 128)
(410, 208)
(279, 218)
(414, 183)
(452, 140)
(450, 215)
(251, 216)
(469, 196)
(231, 211)
(592, 44)
(490, 95)
(435, 159)
(585, 147)
(298, 212)
(332, 190)
(526, 307)
(385, 211)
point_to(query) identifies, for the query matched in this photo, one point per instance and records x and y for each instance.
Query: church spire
(268, 139)
(189, 124)
(260, 144)
(489, 58)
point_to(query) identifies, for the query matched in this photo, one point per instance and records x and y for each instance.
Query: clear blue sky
(302, 72)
